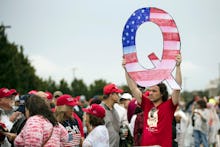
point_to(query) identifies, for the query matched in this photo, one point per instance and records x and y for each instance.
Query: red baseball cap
(5, 92)
(32, 92)
(96, 110)
(66, 99)
(111, 88)
(49, 95)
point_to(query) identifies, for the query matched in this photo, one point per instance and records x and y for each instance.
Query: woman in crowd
(41, 127)
(64, 115)
(98, 133)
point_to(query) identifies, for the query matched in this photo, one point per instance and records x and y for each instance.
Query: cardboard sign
(171, 47)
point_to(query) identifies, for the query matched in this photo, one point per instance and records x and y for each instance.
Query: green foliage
(79, 88)
(16, 70)
(96, 88)
(126, 88)
(64, 87)
(186, 96)
(50, 85)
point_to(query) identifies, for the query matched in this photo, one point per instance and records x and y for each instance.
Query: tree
(187, 96)
(64, 87)
(126, 88)
(79, 88)
(96, 88)
(51, 85)
(16, 70)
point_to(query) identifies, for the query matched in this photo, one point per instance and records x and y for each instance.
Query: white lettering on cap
(70, 99)
(5, 90)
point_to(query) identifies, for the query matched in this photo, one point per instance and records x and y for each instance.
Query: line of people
(40, 119)
(147, 117)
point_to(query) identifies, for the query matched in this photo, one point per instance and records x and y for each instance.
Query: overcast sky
(83, 38)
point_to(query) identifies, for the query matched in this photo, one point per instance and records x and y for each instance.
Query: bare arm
(176, 93)
(132, 85)
(11, 136)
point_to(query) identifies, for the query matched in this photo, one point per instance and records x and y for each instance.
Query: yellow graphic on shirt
(152, 117)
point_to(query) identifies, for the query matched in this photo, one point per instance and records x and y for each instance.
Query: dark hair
(38, 106)
(96, 121)
(142, 89)
(105, 96)
(95, 101)
(163, 91)
(201, 103)
(138, 109)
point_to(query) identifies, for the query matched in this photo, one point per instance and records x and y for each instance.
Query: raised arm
(132, 85)
(176, 93)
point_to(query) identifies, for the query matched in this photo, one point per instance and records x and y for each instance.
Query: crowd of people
(144, 117)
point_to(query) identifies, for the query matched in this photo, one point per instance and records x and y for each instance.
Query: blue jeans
(200, 137)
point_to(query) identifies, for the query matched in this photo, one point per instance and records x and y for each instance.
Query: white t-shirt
(122, 112)
(132, 124)
(98, 137)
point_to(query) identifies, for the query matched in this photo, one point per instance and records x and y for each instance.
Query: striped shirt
(74, 135)
(37, 130)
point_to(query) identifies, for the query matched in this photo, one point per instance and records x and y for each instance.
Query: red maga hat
(111, 88)
(66, 99)
(49, 95)
(96, 110)
(5, 92)
(32, 92)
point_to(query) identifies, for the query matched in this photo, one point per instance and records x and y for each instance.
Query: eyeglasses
(56, 96)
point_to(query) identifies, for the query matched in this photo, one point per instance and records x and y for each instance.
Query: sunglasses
(152, 111)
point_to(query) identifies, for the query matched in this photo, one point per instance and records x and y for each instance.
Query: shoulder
(103, 105)
(38, 121)
(169, 104)
(119, 108)
(99, 132)
(145, 98)
(101, 128)
(36, 117)
(145, 102)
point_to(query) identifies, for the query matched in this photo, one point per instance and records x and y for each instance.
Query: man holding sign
(158, 109)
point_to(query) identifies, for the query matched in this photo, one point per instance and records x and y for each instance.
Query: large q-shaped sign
(171, 47)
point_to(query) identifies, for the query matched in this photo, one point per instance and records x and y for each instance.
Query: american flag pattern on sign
(171, 47)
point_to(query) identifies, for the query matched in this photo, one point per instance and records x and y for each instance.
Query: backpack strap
(47, 138)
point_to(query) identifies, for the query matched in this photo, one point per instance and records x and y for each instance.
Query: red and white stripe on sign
(171, 47)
